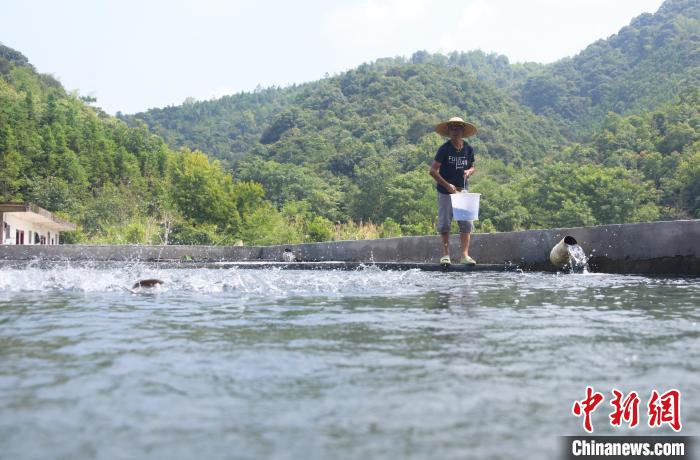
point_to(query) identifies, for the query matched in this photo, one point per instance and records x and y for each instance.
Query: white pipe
(559, 255)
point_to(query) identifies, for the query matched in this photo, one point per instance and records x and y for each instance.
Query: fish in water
(149, 283)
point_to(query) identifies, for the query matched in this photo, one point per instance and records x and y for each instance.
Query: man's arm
(470, 162)
(435, 174)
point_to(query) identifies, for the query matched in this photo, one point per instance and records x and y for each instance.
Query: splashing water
(102, 278)
(577, 259)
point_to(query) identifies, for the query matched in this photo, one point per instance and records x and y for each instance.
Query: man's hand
(451, 188)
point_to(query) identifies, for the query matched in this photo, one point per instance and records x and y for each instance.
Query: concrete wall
(645, 248)
(129, 252)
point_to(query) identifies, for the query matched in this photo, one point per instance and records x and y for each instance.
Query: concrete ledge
(263, 265)
(349, 266)
(671, 248)
(128, 252)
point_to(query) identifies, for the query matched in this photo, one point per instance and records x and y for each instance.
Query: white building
(26, 223)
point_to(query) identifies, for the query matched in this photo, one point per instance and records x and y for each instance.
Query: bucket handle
(466, 184)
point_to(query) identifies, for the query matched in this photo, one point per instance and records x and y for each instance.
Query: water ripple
(288, 364)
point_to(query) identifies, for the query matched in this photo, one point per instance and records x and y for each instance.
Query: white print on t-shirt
(459, 162)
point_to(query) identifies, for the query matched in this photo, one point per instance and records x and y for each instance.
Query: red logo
(664, 409)
(586, 407)
(626, 409)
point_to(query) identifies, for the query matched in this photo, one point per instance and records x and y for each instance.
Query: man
(451, 169)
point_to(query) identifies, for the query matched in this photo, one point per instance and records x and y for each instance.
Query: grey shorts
(445, 216)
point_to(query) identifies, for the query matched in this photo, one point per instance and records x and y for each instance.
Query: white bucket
(465, 205)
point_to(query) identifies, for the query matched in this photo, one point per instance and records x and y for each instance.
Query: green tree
(688, 178)
(202, 191)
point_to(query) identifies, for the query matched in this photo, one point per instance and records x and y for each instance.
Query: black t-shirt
(453, 163)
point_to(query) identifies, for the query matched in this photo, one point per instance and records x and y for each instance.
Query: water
(277, 364)
(577, 258)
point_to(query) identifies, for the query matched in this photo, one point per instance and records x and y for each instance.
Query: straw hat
(469, 129)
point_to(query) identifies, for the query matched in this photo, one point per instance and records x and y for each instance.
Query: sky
(137, 54)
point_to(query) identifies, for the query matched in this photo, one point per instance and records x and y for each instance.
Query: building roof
(34, 213)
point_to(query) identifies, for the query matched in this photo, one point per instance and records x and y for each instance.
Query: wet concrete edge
(661, 248)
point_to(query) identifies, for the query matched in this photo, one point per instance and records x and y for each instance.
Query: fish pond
(281, 364)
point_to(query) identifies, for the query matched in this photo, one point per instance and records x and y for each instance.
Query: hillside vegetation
(120, 184)
(569, 143)
(611, 135)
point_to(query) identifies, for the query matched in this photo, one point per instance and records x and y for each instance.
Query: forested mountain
(611, 135)
(352, 145)
(120, 184)
(644, 65)
(387, 104)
